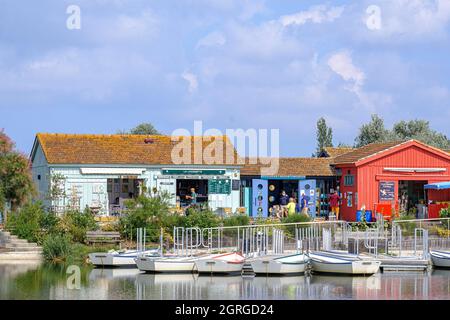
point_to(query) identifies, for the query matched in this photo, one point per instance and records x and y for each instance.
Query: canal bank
(47, 282)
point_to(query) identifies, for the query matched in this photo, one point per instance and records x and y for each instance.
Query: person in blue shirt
(284, 200)
(304, 203)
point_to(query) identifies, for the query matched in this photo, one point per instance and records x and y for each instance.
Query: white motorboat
(440, 259)
(226, 263)
(124, 258)
(290, 264)
(334, 264)
(166, 264)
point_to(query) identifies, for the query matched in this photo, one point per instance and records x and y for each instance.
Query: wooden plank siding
(406, 155)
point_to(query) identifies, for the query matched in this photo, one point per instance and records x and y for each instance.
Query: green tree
(420, 130)
(403, 130)
(372, 132)
(324, 136)
(143, 129)
(15, 179)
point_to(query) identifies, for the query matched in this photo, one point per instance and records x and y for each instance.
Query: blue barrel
(358, 216)
(368, 215)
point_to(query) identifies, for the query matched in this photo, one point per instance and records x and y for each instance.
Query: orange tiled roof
(126, 149)
(294, 167)
(364, 152)
(334, 152)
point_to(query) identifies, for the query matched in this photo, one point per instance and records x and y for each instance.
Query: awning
(113, 171)
(438, 186)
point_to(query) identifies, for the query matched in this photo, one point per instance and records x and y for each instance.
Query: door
(259, 198)
(308, 188)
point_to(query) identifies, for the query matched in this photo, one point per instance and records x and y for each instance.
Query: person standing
(304, 204)
(291, 207)
(284, 199)
(334, 204)
(192, 198)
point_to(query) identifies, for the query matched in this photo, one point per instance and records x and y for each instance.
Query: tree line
(376, 132)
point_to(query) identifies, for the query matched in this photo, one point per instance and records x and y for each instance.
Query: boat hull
(281, 265)
(440, 260)
(218, 266)
(175, 265)
(115, 259)
(327, 264)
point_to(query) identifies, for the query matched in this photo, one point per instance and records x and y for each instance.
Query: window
(349, 180)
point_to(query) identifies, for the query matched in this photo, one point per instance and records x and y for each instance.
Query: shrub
(201, 219)
(49, 222)
(26, 222)
(445, 213)
(146, 211)
(56, 247)
(236, 220)
(76, 224)
(296, 218)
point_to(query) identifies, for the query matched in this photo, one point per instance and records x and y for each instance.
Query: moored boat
(124, 258)
(334, 264)
(440, 259)
(227, 263)
(166, 264)
(290, 264)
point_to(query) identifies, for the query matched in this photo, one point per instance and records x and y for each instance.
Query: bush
(201, 219)
(146, 211)
(237, 220)
(76, 224)
(296, 218)
(49, 223)
(26, 223)
(445, 213)
(56, 248)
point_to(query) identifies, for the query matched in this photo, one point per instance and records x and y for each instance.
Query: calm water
(31, 281)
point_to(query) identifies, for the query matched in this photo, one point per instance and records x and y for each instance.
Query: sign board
(192, 172)
(219, 186)
(387, 190)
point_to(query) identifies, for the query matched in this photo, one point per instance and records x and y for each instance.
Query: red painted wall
(371, 173)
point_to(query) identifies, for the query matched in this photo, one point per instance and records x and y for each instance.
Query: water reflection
(26, 281)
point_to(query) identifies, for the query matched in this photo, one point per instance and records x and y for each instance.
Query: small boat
(123, 258)
(334, 264)
(290, 264)
(166, 264)
(440, 259)
(226, 263)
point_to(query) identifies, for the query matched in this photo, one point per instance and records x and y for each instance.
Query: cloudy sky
(230, 63)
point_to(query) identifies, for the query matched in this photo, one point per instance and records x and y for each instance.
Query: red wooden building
(383, 176)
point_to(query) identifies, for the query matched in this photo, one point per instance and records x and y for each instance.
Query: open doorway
(120, 190)
(412, 197)
(183, 189)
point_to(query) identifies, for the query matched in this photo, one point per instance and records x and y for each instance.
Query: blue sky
(231, 63)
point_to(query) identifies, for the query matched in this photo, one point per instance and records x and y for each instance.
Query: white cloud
(192, 81)
(212, 39)
(341, 63)
(315, 14)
